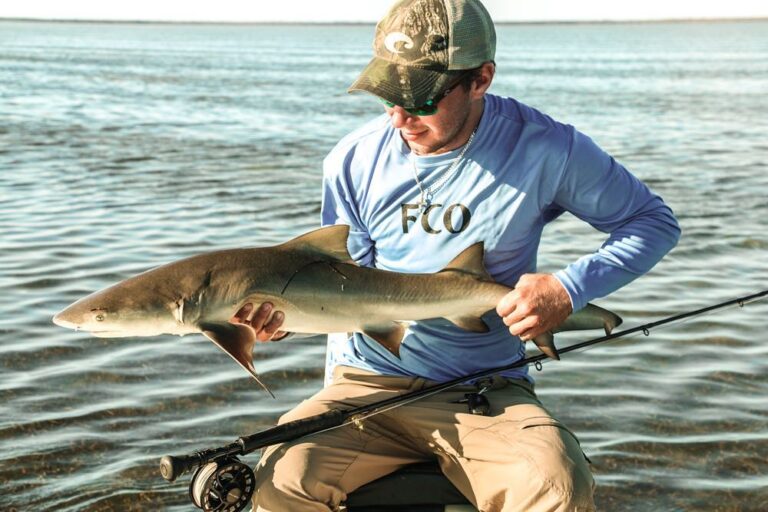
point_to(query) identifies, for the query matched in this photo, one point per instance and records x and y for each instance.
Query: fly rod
(172, 467)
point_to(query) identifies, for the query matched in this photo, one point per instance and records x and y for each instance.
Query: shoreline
(365, 23)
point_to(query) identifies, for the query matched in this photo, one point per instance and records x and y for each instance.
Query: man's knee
(559, 477)
(288, 479)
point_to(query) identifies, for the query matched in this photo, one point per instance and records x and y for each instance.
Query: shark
(314, 281)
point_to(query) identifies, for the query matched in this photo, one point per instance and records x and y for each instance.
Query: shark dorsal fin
(330, 241)
(470, 261)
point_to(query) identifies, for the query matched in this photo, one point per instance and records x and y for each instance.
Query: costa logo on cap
(409, 34)
(396, 37)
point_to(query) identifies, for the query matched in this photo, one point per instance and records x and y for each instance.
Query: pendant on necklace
(425, 201)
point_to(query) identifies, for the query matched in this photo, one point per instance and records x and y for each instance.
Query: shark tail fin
(237, 341)
(590, 317)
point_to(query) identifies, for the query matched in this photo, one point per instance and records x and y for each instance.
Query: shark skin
(314, 282)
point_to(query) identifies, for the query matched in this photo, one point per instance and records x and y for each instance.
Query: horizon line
(367, 23)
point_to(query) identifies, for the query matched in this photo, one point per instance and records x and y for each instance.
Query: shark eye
(100, 315)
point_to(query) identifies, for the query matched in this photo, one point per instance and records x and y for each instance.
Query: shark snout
(62, 319)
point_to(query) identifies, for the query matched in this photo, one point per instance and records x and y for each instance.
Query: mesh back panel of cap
(473, 39)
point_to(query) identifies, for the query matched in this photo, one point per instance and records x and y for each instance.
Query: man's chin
(424, 143)
(420, 144)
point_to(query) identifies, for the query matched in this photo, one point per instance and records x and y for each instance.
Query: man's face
(440, 132)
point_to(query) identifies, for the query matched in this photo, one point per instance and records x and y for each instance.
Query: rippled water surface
(126, 146)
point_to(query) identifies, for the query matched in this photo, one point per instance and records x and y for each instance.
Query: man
(449, 165)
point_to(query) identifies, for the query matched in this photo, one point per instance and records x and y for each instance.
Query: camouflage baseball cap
(421, 46)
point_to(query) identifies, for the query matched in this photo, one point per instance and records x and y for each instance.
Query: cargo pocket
(547, 421)
(563, 463)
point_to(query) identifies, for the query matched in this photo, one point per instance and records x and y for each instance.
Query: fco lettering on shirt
(450, 224)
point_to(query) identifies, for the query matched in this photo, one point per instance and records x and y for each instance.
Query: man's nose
(399, 117)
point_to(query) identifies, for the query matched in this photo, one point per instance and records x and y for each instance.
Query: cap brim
(406, 86)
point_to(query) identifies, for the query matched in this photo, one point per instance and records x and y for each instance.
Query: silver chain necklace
(427, 195)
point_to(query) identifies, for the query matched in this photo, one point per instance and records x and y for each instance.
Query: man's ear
(481, 84)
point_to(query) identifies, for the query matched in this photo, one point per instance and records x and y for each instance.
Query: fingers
(507, 304)
(534, 306)
(271, 327)
(519, 316)
(526, 327)
(241, 317)
(266, 324)
(261, 316)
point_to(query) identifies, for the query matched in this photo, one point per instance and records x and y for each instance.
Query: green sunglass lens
(425, 110)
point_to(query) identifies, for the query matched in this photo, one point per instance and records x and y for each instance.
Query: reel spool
(223, 486)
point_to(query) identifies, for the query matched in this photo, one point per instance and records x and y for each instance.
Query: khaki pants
(517, 459)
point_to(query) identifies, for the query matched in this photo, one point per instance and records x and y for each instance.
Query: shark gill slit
(179, 313)
(298, 271)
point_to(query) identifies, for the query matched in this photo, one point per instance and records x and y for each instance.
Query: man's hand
(265, 330)
(538, 304)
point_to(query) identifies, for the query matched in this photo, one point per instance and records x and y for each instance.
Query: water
(127, 146)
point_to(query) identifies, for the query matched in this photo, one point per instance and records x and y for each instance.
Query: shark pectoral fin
(469, 323)
(590, 317)
(237, 340)
(389, 336)
(546, 343)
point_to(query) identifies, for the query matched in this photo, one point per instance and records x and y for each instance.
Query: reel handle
(172, 467)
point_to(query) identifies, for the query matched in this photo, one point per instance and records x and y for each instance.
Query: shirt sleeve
(642, 228)
(340, 207)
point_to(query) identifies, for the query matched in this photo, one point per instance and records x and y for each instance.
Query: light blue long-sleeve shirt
(522, 170)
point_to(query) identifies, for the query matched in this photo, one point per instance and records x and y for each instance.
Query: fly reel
(226, 485)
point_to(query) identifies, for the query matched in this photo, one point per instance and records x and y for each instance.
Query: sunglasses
(430, 107)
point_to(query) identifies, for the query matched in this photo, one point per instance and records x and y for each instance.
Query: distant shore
(365, 23)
